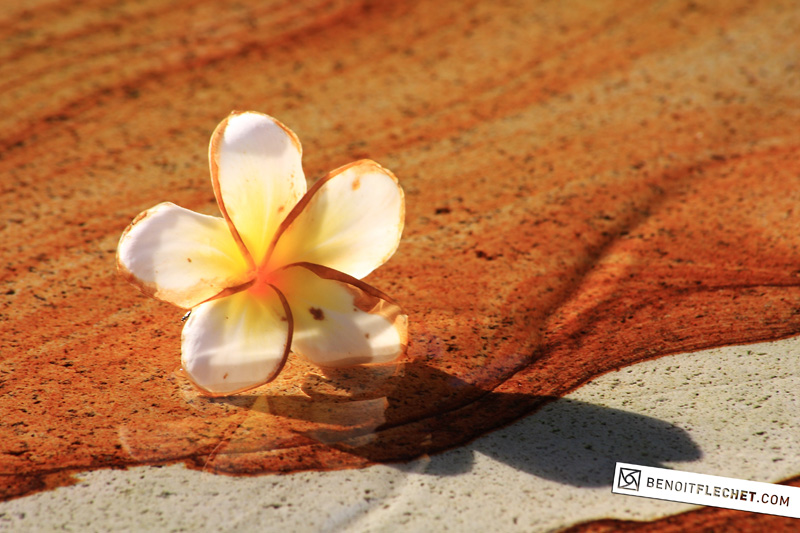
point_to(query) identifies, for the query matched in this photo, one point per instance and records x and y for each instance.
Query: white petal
(350, 221)
(339, 320)
(180, 256)
(257, 176)
(236, 343)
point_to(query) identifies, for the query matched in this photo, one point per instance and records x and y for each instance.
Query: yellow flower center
(265, 276)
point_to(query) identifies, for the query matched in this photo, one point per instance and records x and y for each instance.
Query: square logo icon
(629, 479)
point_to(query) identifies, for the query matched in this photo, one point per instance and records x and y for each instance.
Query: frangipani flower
(280, 271)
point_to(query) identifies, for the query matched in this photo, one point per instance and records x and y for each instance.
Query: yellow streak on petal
(257, 177)
(350, 221)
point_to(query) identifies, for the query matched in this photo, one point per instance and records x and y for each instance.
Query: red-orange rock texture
(588, 184)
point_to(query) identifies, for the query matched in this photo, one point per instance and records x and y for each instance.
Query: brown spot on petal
(316, 313)
(225, 376)
(189, 259)
(356, 183)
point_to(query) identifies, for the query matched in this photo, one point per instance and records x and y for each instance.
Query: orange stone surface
(588, 185)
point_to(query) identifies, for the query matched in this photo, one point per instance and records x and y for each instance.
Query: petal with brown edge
(339, 320)
(179, 256)
(236, 343)
(257, 176)
(350, 221)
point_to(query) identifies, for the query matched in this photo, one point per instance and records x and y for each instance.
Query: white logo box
(704, 489)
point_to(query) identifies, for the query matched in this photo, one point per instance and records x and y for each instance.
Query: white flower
(280, 271)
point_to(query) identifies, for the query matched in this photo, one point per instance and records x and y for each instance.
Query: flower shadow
(577, 443)
(375, 413)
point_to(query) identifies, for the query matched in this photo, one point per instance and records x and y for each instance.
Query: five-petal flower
(281, 270)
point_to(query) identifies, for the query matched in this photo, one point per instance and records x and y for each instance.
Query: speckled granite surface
(589, 185)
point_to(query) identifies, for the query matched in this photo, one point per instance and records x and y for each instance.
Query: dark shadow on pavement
(567, 441)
